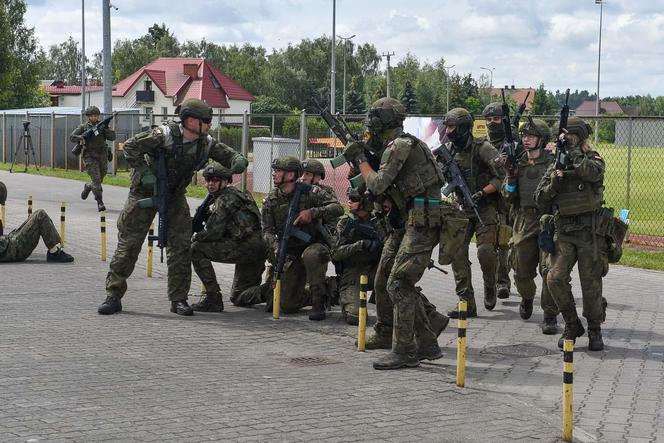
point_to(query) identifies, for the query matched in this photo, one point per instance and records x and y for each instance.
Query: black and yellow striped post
(29, 205)
(461, 344)
(362, 322)
(568, 390)
(102, 219)
(62, 224)
(150, 250)
(276, 300)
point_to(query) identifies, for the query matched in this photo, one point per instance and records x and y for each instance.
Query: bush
(232, 136)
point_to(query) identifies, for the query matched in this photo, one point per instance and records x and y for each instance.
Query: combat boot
(438, 321)
(526, 308)
(110, 306)
(181, 307)
(503, 292)
(490, 298)
(100, 202)
(211, 302)
(378, 341)
(470, 313)
(549, 326)
(573, 330)
(58, 256)
(595, 342)
(431, 352)
(317, 312)
(394, 360)
(86, 191)
(350, 314)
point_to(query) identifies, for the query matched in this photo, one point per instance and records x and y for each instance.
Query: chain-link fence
(633, 148)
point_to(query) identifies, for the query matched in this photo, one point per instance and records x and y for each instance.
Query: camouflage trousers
(349, 287)
(310, 267)
(96, 165)
(24, 239)
(486, 254)
(577, 248)
(247, 254)
(133, 225)
(503, 253)
(526, 259)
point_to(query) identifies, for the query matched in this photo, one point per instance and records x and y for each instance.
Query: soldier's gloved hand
(109, 155)
(478, 196)
(354, 153)
(147, 178)
(238, 167)
(304, 218)
(372, 246)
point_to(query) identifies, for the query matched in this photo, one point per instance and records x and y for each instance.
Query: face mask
(496, 131)
(459, 137)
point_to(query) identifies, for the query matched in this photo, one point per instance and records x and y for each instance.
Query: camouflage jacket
(324, 209)
(183, 157)
(233, 214)
(348, 247)
(522, 193)
(95, 144)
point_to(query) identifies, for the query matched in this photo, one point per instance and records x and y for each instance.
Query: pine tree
(409, 99)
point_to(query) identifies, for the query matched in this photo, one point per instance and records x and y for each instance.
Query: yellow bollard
(102, 219)
(461, 345)
(362, 323)
(29, 205)
(568, 391)
(62, 224)
(4, 221)
(150, 250)
(276, 300)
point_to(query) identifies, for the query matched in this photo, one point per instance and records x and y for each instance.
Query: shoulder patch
(315, 189)
(157, 131)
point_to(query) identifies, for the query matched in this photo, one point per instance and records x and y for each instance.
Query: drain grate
(519, 350)
(312, 360)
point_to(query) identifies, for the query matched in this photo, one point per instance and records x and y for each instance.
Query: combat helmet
(385, 113)
(494, 109)
(288, 163)
(3, 193)
(193, 107)
(538, 128)
(217, 170)
(92, 110)
(577, 126)
(315, 167)
(463, 121)
(354, 195)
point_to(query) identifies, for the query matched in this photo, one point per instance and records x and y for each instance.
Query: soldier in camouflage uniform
(409, 175)
(493, 114)
(187, 147)
(19, 243)
(232, 234)
(305, 263)
(479, 161)
(357, 248)
(519, 191)
(96, 155)
(576, 193)
(314, 173)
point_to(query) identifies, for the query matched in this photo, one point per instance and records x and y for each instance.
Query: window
(164, 113)
(215, 83)
(148, 113)
(147, 85)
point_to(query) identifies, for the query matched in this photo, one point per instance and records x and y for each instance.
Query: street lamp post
(388, 55)
(490, 72)
(447, 86)
(333, 62)
(345, 39)
(82, 57)
(599, 59)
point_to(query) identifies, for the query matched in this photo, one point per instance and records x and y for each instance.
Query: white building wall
(156, 107)
(74, 100)
(236, 107)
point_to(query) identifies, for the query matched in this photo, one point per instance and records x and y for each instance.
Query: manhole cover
(312, 360)
(519, 350)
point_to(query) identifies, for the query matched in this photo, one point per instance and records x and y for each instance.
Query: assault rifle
(519, 111)
(159, 200)
(562, 156)
(455, 179)
(509, 145)
(90, 132)
(201, 215)
(290, 230)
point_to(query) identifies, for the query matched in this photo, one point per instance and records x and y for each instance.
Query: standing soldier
(519, 191)
(576, 191)
(96, 155)
(479, 162)
(409, 175)
(232, 234)
(305, 262)
(493, 114)
(187, 147)
(356, 250)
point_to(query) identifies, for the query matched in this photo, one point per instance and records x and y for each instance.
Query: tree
(64, 62)
(408, 98)
(355, 99)
(19, 67)
(269, 105)
(131, 55)
(543, 104)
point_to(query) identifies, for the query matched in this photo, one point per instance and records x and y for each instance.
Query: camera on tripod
(26, 125)
(25, 143)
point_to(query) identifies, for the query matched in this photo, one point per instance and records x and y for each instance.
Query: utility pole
(333, 91)
(599, 59)
(82, 57)
(107, 73)
(346, 40)
(388, 55)
(447, 86)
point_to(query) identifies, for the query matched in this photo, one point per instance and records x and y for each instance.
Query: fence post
(303, 134)
(245, 148)
(64, 132)
(4, 137)
(52, 140)
(629, 163)
(271, 149)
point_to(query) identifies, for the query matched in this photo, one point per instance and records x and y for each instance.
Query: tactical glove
(238, 167)
(478, 196)
(354, 153)
(109, 155)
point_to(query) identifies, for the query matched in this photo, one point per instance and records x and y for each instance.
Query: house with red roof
(517, 94)
(160, 86)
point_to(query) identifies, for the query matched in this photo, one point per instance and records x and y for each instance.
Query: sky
(527, 42)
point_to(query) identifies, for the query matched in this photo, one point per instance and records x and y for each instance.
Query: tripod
(25, 140)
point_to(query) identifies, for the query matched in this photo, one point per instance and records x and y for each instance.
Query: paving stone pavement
(68, 374)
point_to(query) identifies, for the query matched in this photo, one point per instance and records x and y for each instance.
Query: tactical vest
(529, 177)
(476, 173)
(280, 214)
(95, 144)
(576, 197)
